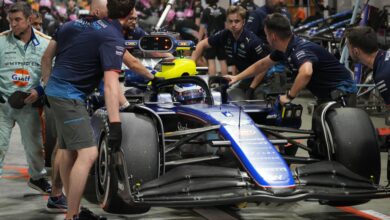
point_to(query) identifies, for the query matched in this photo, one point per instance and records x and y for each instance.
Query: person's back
(214, 18)
(86, 50)
(328, 72)
(71, 61)
(382, 74)
(363, 47)
(256, 18)
(212, 21)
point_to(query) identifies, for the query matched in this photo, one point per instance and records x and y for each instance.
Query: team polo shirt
(244, 51)
(256, 19)
(85, 49)
(136, 34)
(328, 73)
(382, 74)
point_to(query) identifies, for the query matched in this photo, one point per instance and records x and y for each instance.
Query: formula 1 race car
(184, 144)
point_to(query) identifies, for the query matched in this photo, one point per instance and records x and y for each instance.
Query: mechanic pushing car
(241, 46)
(363, 48)
(79, 67)
(313, 66)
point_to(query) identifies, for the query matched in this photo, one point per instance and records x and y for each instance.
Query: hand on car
(284, 100)
(157, 80)
(231, 79)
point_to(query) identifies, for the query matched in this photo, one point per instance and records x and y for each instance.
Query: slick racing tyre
(139, 158)
(355, 144)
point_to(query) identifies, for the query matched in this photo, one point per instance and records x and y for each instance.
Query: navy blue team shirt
(243, 52)
(328, 73)
(382, 74)
(85, 49)
(256, 19)
(136, 34)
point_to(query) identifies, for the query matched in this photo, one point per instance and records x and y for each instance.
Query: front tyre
(139, 150)
(355, 144)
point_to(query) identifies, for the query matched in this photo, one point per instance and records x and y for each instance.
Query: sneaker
(57, 204)
(86, 214)
(42, 185)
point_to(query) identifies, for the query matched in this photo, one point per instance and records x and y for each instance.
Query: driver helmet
(188, 94)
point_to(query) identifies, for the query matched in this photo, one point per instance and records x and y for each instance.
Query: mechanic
(256, 18)
(20, 53)
(133, 32)
(241, 46)
(57, 201)
(248, 5)
(256, 25)
(80, 65)
(213, 20)
(363, 48)
(312, 65)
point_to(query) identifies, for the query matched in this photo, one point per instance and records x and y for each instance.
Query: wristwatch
(289, 96)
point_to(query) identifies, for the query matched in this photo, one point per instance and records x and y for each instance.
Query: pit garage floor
(18, 201)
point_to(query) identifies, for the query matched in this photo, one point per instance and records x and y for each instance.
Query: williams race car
(184, 145)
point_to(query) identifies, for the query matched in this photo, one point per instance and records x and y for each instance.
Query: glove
(2, 100)
(115, 136)
(46, 101)
(157, 80)
(249, 94)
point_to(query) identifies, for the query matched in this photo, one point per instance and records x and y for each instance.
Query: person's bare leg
(224, 67)
(212, 69)
(78, 178)
(56, 182)
(67, 159)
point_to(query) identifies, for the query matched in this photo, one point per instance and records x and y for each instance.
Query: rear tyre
(141, 153)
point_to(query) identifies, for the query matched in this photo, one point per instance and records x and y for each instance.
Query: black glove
(2, 100)
(115, 136)
(249, 94)
(157, 80)
(46, 101)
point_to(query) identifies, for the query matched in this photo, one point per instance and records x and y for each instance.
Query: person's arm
(134, 64)
(47, 60)
(200, 47)
(257, 80)
(260, 67)
(46, 66)
(303, 78)
(111, 95)
(202, 32)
